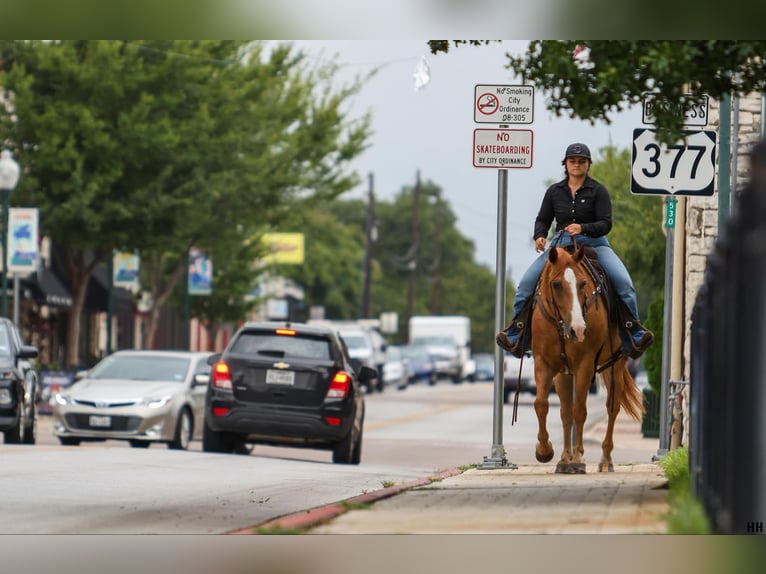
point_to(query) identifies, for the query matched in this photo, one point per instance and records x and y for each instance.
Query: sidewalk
(531, 499)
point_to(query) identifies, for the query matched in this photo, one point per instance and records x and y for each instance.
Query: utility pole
(413, 262)
(436, 279)
(370, 237)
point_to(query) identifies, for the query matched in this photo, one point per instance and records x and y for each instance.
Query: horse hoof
(544, 457)
(563, 468)
(577, 467)
(604, 467)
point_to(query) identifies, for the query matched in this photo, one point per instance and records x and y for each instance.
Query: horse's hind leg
(614, 384)
(564, 389)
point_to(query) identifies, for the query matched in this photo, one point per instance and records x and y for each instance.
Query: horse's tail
(631, 398)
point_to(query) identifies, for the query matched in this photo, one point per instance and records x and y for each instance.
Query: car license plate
(100, 421)
(280, 377)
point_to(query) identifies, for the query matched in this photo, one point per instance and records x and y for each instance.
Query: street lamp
(9, 177)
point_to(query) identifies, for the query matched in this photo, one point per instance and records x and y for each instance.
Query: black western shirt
(591, 208)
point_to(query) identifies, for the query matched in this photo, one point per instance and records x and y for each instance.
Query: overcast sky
(431, 130)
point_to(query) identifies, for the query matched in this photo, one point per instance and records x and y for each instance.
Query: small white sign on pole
(502, 148)
(495, 104)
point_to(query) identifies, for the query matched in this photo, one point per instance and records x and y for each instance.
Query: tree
(612, 74)
(160, 146)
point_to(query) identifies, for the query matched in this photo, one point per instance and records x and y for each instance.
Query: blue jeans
(614, 267)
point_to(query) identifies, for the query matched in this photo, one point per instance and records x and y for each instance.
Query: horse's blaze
(577, 320)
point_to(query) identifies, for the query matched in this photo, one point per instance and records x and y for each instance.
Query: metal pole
(109, 303)
(6, 194)
(667, 320)
(497, 458)
(724, 158)
(16, 287)
(734, 153)
(187, 308)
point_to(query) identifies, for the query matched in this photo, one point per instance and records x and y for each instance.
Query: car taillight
(221, 376)
(339, 386)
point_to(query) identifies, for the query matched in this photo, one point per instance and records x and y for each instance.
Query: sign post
(686, 168)
(501, 149)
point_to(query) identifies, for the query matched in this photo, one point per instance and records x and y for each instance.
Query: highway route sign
(687, 168)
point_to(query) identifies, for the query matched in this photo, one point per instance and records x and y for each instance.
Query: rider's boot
(640, 338)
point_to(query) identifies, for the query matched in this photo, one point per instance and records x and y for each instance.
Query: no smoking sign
(503, 104)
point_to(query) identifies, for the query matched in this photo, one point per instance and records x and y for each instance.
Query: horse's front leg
(583, 380)
(543, 380)
(564, 390)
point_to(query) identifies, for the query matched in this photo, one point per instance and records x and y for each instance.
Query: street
(111, 488)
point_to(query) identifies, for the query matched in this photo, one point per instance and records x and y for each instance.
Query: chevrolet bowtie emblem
(281, 365)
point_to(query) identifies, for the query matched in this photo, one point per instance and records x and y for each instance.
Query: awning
(46, 288)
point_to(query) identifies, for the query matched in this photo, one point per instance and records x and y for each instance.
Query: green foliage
(652, 359)
(686, 514)
(158, 146)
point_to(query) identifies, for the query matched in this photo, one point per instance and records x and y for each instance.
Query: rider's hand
(540, 244)
(573, 229)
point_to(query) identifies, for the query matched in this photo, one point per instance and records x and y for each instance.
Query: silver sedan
(138, 396)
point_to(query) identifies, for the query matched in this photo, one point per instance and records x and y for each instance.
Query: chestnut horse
(573, 338)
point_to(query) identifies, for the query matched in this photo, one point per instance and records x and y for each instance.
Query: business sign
(502, 148)
(200, 273)
(687, 168)
(504, 104)
(22, 239)
(693, 114)
(125, 266)
(284, 248)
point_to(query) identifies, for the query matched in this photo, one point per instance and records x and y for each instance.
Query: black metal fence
(727, 434)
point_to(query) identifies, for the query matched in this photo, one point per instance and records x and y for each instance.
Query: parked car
(369, 347)
(139, 396)
(395, 368)
(445, 353)
(420, 365)
(18, 386)
(513, 368)
(484, 369)
(288, 385)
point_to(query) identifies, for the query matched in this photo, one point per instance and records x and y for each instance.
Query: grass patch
(387, 483)
(355, 505)
(466, 467)
(686, 515)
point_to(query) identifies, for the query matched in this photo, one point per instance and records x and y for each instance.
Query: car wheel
(381, 385)
(433, 379)
(356, 454)
(13, 435)
(29, 431)
(214, 441)
(343, 451)
(139, 443)
(184, 429)
(242, 447)
(69, 441)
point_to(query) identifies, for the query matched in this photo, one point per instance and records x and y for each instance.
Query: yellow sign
(286, 248)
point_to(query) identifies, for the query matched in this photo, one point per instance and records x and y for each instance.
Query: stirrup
(515, 349)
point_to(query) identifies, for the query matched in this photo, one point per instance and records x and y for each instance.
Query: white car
(513, 368)
(396, 369)
(138, 396)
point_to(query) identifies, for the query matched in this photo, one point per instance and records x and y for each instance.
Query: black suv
(288, 385)
(18, 386)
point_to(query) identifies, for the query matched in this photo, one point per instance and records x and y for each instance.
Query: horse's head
(565, 283)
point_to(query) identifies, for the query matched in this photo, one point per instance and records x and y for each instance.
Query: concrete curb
(306, 519)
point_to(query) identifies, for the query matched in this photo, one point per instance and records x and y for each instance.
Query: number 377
(678, 151)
